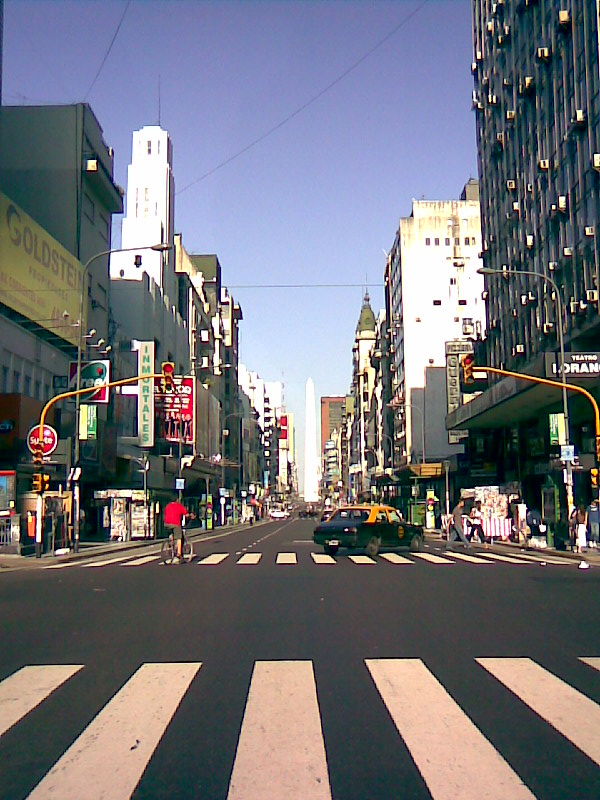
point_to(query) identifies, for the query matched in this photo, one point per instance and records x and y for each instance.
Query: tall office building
(537, 101)
(311, 465)
(150, 210)
(434, 295)
(331, 417)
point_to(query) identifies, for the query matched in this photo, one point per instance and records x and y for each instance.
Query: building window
(473, 240)
(447, 242)
(437, 242)
(27, 386)
(47, 391)
(437, 302)
(467, 240)
(103, 227)
(452, 281)
(462, 302)
(457, 240)
(16, 381)
(428, 241)
(149, 148)
(158, 147)
(38, 389)
(146, 194)
(88, 207)
(5, 380)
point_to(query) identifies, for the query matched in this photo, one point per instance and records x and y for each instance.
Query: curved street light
(559, 310)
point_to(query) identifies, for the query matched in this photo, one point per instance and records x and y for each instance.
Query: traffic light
(467, 363)
(40, 482)
(594, 477)
(38, 453)
(168, 376)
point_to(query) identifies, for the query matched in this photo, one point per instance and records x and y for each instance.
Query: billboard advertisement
(93, 373)
(39, 278)
(176, 409)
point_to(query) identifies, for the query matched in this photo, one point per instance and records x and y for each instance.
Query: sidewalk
(592, 556)
(91, 549)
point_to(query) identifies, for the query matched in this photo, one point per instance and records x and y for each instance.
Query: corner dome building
(363, 384)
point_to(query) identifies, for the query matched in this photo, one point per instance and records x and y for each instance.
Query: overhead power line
(308, 103)
(112, 41)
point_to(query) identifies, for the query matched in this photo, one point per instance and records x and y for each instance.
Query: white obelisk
(311, 481)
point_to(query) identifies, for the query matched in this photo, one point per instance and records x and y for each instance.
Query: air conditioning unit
(490, 26)
(474, 66)
(484, 295)
(528, 82)
(529, 240)
(510, 115)
(530, 187)
(562, 203)
(204, 362)
(574, 306)
(511, 185)
(493, 99)
(523, 299)
(515, 207)
(589, 230)
(564, 18)
(514, 312)
(544, 164)
(591, 295)
(468, 329)
(596, 161)
(91, 165)
(519, 349)
(507, 81)
(531, 297)
(506, 29)
(552, 265)
(580, 117)
(548, 327)
(500, 139)
(478, 55)
(567, 252)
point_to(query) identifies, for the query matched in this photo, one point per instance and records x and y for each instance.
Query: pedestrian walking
(476, 522)
(456, 525)
(593, 512)
(582, 521)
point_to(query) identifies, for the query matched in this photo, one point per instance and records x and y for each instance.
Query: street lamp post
(561, 344)
(87, 265)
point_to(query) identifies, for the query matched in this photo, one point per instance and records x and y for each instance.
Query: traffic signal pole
(40, 449)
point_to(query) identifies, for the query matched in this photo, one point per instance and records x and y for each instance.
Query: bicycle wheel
(167, 551)
(188, 551)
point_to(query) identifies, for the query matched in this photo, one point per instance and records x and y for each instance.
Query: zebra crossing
(281, 748)
(288, 559)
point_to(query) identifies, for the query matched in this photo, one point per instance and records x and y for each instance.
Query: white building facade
(435, 297)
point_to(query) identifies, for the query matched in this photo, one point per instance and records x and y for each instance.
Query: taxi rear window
(354, 514)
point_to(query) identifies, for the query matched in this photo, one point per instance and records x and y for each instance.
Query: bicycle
(169, 549)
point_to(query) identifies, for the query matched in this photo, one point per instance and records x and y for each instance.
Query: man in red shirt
(174, 518)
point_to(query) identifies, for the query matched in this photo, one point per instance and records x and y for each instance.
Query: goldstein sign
(39, 278)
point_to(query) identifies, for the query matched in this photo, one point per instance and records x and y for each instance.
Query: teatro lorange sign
(39, 278)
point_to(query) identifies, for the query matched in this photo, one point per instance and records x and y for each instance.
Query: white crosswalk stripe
(573, 715)
(25, 689)
(137, 562)
(452, 755)
(280, 750)
(250, 558)
(394, 558)
(362, 560)
(433, 559)
(507, 559)
(466, 557)
(214, 558)
(322, 558)
(286, 558)
(123, 735)
(107, 561)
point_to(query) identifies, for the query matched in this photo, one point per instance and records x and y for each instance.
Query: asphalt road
(417, 679)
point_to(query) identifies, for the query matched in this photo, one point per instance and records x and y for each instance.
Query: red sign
(50, 439)
(175, 410)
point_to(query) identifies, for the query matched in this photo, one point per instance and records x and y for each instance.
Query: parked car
(368, 527)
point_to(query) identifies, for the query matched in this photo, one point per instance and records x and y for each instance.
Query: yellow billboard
(39, 278)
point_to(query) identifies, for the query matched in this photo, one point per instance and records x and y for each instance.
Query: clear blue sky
(316, 201)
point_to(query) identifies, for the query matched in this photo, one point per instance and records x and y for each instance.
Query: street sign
(179, 484)
(50, 441)
(582, 365)
(567, 452)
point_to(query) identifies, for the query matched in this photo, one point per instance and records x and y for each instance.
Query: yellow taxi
(368, 527)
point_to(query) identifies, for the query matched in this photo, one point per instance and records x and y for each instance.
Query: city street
(263, 669)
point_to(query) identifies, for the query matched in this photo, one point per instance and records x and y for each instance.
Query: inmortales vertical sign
(146, 395)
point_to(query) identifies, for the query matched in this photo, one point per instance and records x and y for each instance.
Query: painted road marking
(431, 723)
(469, 558)
(125, 732)
(433, 558)
(287, 558)
(25, 689)
(508, 559)
(573, 714)
(108, 561)
(250, 558)
(280, 751)
(362, 560)
(214, 558)
(321, 558)
(139, 561)
(394, 558)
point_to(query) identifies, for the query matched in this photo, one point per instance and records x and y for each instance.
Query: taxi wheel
(330, 550)
(416, 543)
(372, 547)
